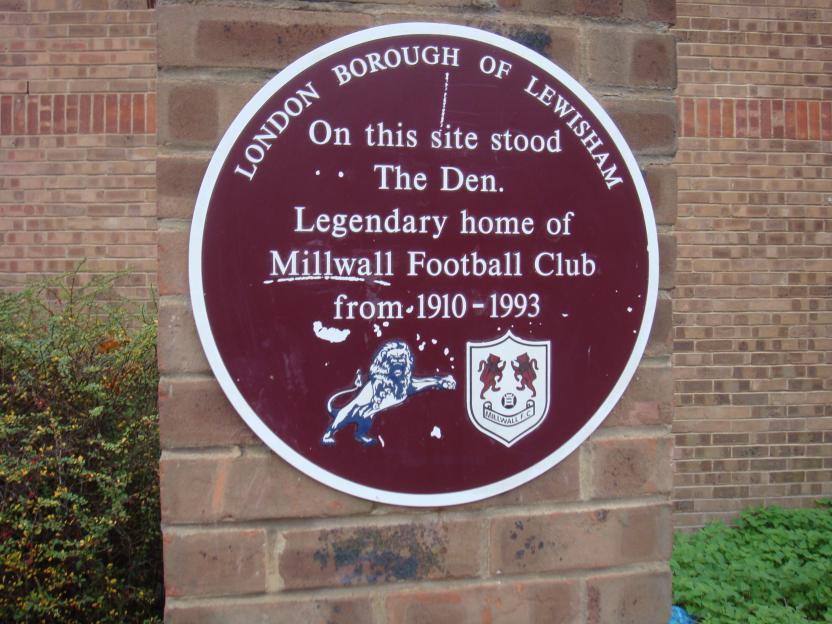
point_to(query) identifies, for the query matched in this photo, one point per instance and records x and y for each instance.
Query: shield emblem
(508, 382)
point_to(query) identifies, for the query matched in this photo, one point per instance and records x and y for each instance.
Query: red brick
(214, 563)
(741, 123)
(6, 115)
(688, 117)
(84, 113)
(99, 113)
(701, 118)
(59, 114)
(138, 113)
(754, 118)
(45, 122)
(125, 113)
(111, 113)
(558, 541)
(357, 555)
(791, 120)
(714, 119)
(72, 113)
(728, 118)
(765, 119)
(648, 125)
(179, 348)
(255, 486)
(274, 610)
(32, 115)
(814, 120)
(802, 114)
(631, 466)
(19, 114)
(531, 602)
(150, 113)
(778, 119)
(629, 598)
(826, 120)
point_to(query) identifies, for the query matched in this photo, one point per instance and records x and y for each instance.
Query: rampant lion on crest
(390, 383)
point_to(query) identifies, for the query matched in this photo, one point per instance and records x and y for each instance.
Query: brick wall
(247, 537)
(77, 139)
(752, 309)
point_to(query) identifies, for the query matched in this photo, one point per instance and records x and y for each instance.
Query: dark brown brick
(579, 540)
(649, 126)
(214, 563)
(234, 36)
(599, 8)
(648, 399)
(421, 550)
(177, 183)
(631, 467)
(634, 598)
(533, 602)
(274, 610)
(623, 58)
(558, 7)
(558, 44)
(179, 349)
(256, 485)
(193, 412)
(173, 261)
(560, 483)
(662, 184)
(189, 113)
(661, 335)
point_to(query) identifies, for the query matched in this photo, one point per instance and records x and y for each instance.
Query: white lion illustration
(390, 383)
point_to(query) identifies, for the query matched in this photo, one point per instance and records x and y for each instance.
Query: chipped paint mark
(330, 334)
(383, 554)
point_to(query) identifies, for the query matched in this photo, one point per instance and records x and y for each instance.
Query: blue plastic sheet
(679, 616)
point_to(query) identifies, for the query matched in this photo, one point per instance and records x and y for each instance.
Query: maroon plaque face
(423, 264)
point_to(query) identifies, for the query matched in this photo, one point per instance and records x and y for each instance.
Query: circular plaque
(423, 264)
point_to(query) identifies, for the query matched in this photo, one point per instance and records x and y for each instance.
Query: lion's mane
(383, 382)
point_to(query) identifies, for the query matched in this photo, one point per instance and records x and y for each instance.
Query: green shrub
(79, 493)
(774, 567)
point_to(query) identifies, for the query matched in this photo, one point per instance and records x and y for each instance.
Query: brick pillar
(247, 537)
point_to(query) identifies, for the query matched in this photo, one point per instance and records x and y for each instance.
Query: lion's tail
(358, 384)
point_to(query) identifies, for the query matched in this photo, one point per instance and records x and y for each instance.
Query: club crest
(508, 386)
